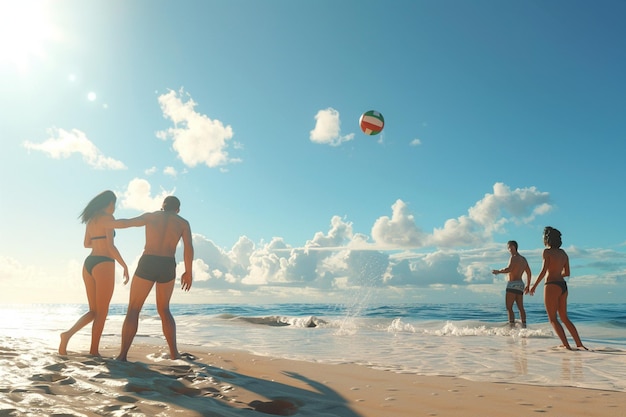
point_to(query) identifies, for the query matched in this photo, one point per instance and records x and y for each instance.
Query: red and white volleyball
(372, 122)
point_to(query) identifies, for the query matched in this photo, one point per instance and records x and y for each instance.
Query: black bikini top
(102, 237)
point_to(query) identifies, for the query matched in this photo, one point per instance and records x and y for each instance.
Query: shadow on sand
(211, 391)
(80, 385)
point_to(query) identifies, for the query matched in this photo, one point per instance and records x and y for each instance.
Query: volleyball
(372, 122)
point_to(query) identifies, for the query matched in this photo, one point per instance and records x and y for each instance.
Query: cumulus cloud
(196, 138)
(415, 142)
(522, 204)
(25, 282)
(339, 259)
(63, 144)
(398, 231)
(340, 262)
(304, 265)
(246, 265)
(264, 268)
(171, 171)
(138, 196)
(462, 231)
(327, 129)
(424, 270)
(490, 215)
(340, 232)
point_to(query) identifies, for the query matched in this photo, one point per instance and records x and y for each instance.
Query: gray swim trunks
(516, 287)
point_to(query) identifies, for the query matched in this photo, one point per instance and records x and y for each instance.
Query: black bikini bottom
(561, 284)
(93, 260)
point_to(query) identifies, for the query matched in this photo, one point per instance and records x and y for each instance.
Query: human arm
(125, 223)
(187, 277)
(566, 266)
(117, 255)
(87, 241)
(528, 278)
(542, 274)
(503, 270)
(112, 249)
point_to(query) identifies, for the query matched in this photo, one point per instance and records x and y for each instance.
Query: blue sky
(501, 117)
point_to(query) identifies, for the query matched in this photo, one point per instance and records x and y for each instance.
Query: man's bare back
(517, 267)
(164, 229)
(157, 266)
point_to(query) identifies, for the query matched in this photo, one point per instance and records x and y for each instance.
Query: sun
(25, 33)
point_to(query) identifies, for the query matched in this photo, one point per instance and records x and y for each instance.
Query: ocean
(471, 341)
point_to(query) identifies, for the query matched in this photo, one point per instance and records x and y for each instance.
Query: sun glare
(25, 32)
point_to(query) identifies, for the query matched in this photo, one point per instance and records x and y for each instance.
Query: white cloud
(200, 270)
(197, 138)
(415, 142)
(339, 234)
(264, 268)
(138, 196)
(62, 144)
(462, 231)
(523, 204)
(171, 171)
(398, 231)
(340, 263)
(32, 284)
(327, 129)
(490, 215)
(340, 259)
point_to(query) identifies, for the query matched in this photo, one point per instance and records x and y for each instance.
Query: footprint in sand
(57, 378)
(55, 367)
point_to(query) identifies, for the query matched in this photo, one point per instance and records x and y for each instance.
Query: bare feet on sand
(63, 345)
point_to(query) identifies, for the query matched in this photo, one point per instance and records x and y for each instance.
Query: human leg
(567, 322)
(163, 296)
(551, 296)
(519, 300)
(509, 300)
(104, 277)
(85, 319)
(139, 290)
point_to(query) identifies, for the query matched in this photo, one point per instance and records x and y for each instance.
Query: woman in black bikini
(98, 269)
(556, 265)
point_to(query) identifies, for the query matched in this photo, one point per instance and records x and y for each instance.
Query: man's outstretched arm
(125, 223)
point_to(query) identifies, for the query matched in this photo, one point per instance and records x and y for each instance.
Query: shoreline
(235, 383)
(373, 393)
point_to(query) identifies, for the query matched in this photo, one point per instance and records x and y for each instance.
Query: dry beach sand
(35, 380)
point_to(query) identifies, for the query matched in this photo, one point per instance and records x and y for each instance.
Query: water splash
(366, 273)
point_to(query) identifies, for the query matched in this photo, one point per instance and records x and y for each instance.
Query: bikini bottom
(560, 283)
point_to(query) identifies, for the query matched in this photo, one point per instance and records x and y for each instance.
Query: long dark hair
(97, 204)
(552, 237)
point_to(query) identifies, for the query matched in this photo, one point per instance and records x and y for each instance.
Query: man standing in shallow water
(157, 265)
(515, 288)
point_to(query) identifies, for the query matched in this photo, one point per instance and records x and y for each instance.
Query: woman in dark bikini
(556, 265)
(98, 269)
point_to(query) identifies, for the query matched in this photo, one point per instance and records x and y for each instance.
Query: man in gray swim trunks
(515, 288)
(164, 229)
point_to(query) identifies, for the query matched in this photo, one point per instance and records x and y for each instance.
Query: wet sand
(39, 381)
